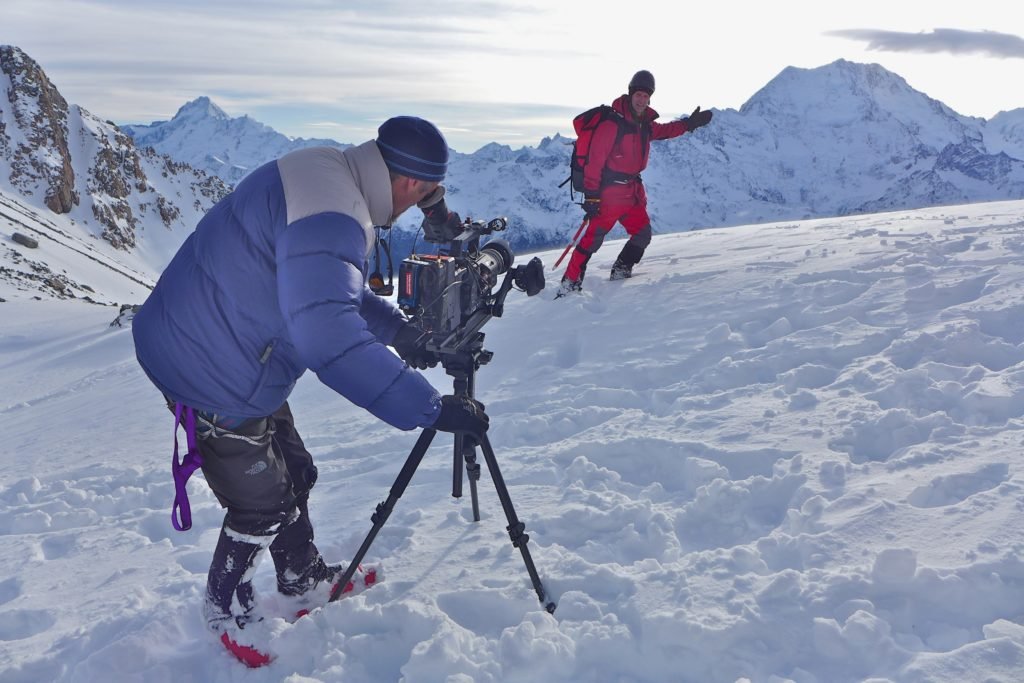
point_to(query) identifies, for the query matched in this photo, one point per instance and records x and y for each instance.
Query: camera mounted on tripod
(450, 295)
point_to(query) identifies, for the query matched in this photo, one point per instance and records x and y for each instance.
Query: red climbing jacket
(615, 161)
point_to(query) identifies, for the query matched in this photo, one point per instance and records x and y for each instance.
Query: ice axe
(586, 219)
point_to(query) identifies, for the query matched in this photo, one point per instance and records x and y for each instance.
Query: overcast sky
(510, 71)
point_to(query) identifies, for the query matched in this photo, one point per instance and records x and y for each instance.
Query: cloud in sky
(511, 71)
(951, 40)
(307, 61)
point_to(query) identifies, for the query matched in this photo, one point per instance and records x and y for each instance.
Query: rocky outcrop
(60, 156)
(41, 162)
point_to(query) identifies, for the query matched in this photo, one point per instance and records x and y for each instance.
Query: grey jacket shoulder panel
(354, 182)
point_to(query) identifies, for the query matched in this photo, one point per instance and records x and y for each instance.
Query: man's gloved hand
(439, 224)
(446, 229)
(591, 203)
(410, 343)
(697, 119)
(462, 415)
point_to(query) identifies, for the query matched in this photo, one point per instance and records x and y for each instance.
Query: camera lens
(496, 257)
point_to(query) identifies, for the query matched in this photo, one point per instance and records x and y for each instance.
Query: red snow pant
(633, 217)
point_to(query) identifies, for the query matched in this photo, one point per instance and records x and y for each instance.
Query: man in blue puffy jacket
(272, 283)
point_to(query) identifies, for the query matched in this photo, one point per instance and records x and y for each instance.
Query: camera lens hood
(496, 256)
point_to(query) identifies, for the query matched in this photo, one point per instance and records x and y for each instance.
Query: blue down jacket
(272, 282)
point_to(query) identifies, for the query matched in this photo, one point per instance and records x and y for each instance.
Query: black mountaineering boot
(628, 257)
(229, 582)
(621, 271)
(568, 287)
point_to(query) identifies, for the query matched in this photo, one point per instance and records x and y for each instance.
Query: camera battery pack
(428, 288)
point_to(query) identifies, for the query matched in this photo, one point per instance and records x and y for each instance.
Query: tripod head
(462, 362)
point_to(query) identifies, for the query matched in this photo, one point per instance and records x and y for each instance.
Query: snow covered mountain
(79, 187)
(205, 137)
(66, 262)
(1005, 133)
(844, 138)
(58, 156)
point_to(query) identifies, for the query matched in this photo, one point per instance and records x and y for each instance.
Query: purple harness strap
(193, 460)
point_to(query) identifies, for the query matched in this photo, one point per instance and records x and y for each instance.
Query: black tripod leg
(384, 509)
(465, 449)
(473, 472)
(457, 468)
(516, 529)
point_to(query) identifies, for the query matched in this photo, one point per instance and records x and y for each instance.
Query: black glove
(443, 227)
(462, 415)
(439, 224)
(697, 119)
(410, 343)
(591, 204)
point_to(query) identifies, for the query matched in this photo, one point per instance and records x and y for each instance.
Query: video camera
(450, 294)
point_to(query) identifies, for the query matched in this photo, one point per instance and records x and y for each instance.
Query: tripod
(462, 365)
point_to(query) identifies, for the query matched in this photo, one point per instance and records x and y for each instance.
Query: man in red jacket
(613, 191)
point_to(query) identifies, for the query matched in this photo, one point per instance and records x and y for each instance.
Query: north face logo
(256, 468)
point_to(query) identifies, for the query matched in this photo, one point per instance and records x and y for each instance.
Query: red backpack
(585, 125)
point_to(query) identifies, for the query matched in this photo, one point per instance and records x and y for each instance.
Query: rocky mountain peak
(201, 108)
(64, 158)
(830, 92)
(40, 162)
(1005, 133)
(204, 136)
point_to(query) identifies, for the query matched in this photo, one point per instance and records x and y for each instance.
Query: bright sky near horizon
(508, 71)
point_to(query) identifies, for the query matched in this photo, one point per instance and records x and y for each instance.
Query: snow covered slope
(786, 452)
(70, 262)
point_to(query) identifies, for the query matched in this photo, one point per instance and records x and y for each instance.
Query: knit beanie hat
(642, 80)
(413, 147)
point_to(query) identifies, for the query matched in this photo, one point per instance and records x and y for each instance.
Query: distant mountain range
(840, 139)
(206, 138)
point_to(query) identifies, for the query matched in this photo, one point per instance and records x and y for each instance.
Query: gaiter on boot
(230, 577)
(629, 256)
(296, 558)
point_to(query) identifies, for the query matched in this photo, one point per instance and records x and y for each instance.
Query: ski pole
(586, 219)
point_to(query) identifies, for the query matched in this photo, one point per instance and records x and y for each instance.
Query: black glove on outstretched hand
(410, 343)
(462, 415)
(591, 204)
(697, 119)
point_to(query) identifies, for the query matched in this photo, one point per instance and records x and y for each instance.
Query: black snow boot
(296, 558)
(230, 579)
(628, 257)
(568, 286)
(621, 271)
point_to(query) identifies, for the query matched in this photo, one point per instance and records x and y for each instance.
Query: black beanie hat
(413, 147)
(642, 80)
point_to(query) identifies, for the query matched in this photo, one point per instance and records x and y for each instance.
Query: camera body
(450, 295)
(442, 291)
(430, 289)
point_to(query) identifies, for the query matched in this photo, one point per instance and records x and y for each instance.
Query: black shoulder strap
(376, 279)
(620, 126)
